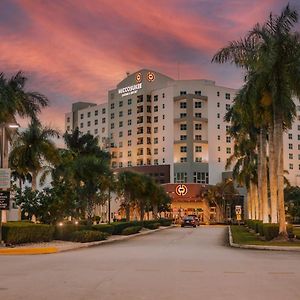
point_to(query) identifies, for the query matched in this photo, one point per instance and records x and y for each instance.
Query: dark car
(196, 219)
(188, 221)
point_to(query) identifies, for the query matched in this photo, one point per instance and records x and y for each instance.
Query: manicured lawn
(241, 235)
(297, 232)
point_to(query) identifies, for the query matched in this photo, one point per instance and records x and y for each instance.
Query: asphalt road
(179, 263)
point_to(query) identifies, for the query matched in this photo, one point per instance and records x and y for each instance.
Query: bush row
(131, 230)
(85, 236)
(268, 230)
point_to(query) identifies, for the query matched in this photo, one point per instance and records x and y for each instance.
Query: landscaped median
(242, 237)
(46, 239)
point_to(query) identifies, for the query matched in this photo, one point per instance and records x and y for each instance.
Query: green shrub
(19, 232)
(165, 222)
(120, 226)
(85, 236)
(260, 228)
(152, 225)
(271, 231)
(104, 228)
(63, 232)
(290, 231)
(131, 230)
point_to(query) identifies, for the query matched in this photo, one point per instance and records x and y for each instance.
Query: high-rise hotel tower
(171, 129)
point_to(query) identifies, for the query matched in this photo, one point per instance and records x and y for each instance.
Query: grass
(297, 232)
(242, 236)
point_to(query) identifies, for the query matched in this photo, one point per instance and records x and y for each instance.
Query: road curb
(260, 247)
(52, 250)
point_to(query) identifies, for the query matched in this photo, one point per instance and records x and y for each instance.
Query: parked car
(188, 221)
(196, 219)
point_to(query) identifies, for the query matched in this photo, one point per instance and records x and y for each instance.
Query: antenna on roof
(127, 73)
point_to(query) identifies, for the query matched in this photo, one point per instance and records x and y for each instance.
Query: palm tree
(270, 54)
(33, 148)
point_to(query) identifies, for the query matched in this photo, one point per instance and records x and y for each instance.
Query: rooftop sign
(130, 90)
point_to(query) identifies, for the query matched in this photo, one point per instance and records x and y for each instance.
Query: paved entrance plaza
(172, 264)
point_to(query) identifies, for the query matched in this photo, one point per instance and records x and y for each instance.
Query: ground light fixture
(60, 224)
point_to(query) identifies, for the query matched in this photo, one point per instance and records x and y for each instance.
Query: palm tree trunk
(273, 177)
(259, 178)
(155, 210)
(264, 178)
(249, 203)
(34, 180)
(280, 178)
(256, 202)
(127, 211)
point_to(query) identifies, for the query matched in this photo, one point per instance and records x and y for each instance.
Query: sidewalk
(63, 246)
(260, 247)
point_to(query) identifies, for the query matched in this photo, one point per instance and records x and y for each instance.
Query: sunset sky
(76, 50)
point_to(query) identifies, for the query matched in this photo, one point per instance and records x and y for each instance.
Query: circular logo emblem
(138, 77)
(150, 76)
(181, 190)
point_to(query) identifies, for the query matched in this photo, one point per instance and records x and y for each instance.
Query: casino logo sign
(181, 190)
(138, 77)
(150, 76)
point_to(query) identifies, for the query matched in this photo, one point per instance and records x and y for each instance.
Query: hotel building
(173, 130)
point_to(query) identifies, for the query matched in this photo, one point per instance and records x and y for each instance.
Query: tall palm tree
(33, 149)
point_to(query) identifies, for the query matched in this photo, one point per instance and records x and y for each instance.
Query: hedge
(131, 230)
(152, 225)
(85, 236)
(104, 228)
(165, 222)
(19, 232)
(64, 232)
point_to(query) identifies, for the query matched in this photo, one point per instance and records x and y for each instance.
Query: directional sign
(181, 190)
(4, 200)
(4, 178)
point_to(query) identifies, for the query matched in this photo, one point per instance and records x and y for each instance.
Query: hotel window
(183, 159)
(218, 94)
(163, 95)
(198, 149)
(81, 116)
(121, 124)
(290, 155)
(155, 98)
(121, 134)
(298, 147)
(198, 126)
(148, 98)
(88, 131)
(89, 123)
(103, 120)
(129, 132)
(129, 101)
(129, 112)
(129, 122)
(140, 130)
(88, 114)
(163, 117)
(96, 131)
(218, 137)
(180, 177)
(155, 119)
(140, 141)
(227, 96)
(120, 164)
(148, 141)
(96, 112)
(219, 159)
(298, 127)
(129, 143)
(155, 129)
(227, 128)
(198, 159)
(129, 164)
(183, 149)
(155, 108)
(155, 151)
(140, 120)
(140, 151)
(182, 93)
(112, 106)
(290, 136)
(120, 144)
(218, 115)
(198, 137)
(148, 152)
(182, 104)
(227, 106)
(129, 153)
(218, 126)
(298, 156)
(112, 115)
(68, 128)
(96, 122)
(155, 161)
(198, 104)
(298, 137)
(149, 130)
(139, 99)
(219, 148)
(163, 138)
(201, 177)
(183, 137)
(218, 104)
(290, 146)
(120, 103)
(291, 166)
(198, 115)
(163, 149)
(140, 109)
(228, 150)
(114, 164)
(228, 139)
(68, 119)
(103, 111)
(120, 114)
(155, 141)
(164, 127)
(149, 109)
(183, 127)
(149, 119)
(163, 106)
(198, 93)
(182, 115)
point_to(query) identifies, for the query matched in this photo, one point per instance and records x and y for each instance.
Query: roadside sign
(4, 200)
(238, 217)
(4, 178)
(238, 209)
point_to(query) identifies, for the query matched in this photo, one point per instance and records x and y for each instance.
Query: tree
(32, 149)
